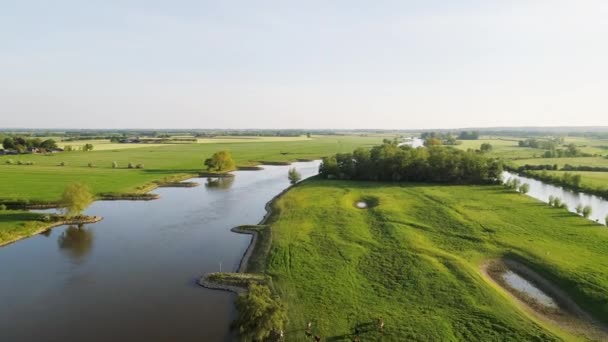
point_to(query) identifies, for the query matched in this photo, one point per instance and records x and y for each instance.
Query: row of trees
(545, 144)
(389, 162)
(22, 144)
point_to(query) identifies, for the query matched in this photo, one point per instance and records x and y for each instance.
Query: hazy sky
(303, 64)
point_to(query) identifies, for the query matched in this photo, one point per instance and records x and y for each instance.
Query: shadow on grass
(18, 216)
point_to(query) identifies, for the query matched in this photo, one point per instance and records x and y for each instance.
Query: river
(133, 275)
(542, 191)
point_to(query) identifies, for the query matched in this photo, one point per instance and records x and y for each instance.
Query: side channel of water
(133, 275)
(542, 191)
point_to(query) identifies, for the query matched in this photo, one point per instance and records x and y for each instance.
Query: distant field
(414, 260)
(587, 145)
(578, 161)
(597, 180)
(503, 147)
(46, 180)
(102, 145)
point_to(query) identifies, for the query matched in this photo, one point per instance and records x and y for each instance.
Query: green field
(596, 180)
(501, 147)
(414, 260)
(45, 180)
(576, 161)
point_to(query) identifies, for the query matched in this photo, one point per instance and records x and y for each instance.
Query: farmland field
(414, 260)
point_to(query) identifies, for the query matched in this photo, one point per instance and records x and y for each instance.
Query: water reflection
(76, 241)
(219, 182)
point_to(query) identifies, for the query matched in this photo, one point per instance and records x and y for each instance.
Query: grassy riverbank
(414, 260)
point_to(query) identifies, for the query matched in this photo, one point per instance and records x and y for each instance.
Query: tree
(485, 147)
(587, 210)
(432, 142)
(579, 209)
(220, 162)
(259, 315)
(524, 188)
(8, 143)
(87, 147)
(293, 175)
(48, 144)
(114, 165)
(606, 220)
(76, 197)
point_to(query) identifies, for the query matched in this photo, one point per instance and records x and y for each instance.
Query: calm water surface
(522, 285)
(132, 276)
(542, 191)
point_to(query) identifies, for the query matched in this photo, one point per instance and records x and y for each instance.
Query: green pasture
(414, 261)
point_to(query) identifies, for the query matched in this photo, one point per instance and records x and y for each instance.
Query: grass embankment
(29, 224)
(44, 181)
(415, 258)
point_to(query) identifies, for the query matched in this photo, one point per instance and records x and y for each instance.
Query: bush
(524, 188)
(579, 209)
(259, 314)
(3, 207)
(19, 162)
(63, 163)
(587, 210)
(114, 165)
(46, 218)
(131, 166)
(91, 165)
(139, 166)
(29, 163)
(606, 220)
(10, 162)
(551, 200)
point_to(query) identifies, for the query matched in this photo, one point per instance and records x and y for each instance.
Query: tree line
(21, 144)
(389, 162)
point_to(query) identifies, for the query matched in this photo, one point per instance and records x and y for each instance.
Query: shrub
(293, 175)
(10, 162)
(551, 200)
(606, 220)
(46, 218)
(579, 209)
(557, 202)
(260, 315)
(19, 162)
(91, 165)
(587, 210)
(63, 163)
(114, 165)
(29, 163)
(131, 166)
(524, 188)
(139, 166)
(3, 207)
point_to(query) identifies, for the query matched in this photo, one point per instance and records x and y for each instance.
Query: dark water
(132, 276)
(542, 191)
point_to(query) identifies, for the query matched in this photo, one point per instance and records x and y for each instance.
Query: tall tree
(220, 162)
(76, 197)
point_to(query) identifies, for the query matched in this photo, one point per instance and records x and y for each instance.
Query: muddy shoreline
(568, 315)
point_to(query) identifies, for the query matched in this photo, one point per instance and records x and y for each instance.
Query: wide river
(133, 275)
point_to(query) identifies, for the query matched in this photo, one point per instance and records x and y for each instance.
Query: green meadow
(414, 260)
(46, 179)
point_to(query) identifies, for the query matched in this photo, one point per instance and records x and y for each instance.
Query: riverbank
(41, 226)
(252, 264)
(414, 260)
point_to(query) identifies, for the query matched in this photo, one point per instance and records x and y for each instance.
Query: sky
(303, 64)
